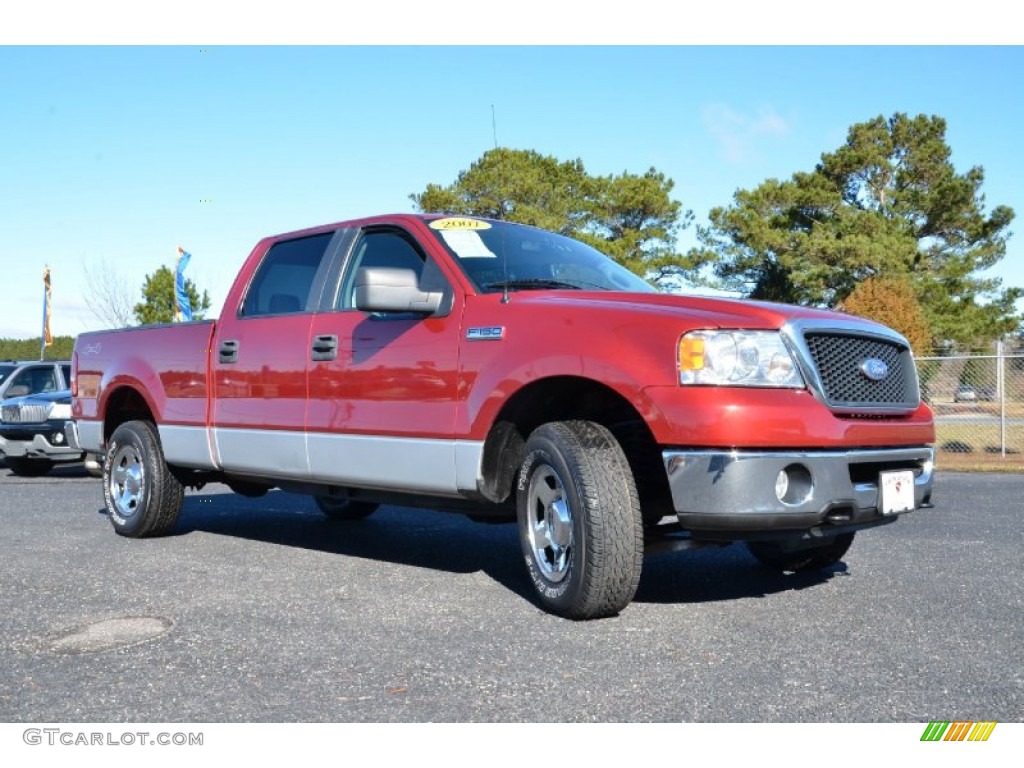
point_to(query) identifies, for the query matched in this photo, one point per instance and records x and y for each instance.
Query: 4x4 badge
(874, 369)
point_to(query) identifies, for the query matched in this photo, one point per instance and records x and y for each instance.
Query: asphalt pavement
(262, 610)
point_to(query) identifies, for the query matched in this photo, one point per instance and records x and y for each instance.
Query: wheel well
(569, 398)
(124, 404)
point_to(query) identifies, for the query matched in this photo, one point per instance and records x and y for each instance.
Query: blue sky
(112, 156)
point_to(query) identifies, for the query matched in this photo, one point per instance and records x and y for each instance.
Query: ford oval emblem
(874, 369)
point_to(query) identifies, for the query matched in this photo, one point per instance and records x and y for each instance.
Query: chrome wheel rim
(127, 478)
(549, 524)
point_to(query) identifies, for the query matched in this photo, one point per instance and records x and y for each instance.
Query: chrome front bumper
(736, 490)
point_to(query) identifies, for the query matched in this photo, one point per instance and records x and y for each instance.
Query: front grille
(839, 358)
(24, 414)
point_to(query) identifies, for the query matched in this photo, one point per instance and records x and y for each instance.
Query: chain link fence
(978, 402)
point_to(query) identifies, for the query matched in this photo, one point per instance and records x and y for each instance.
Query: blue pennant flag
(182, 306)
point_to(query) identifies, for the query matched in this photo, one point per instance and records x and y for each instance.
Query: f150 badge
(486, 333)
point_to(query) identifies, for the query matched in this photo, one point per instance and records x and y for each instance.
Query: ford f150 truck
(513, 374)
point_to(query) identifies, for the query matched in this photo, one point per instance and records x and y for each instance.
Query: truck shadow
(719, 574)
(443, 541)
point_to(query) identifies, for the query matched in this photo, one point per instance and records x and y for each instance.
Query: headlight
(738, 359)
(59, 411)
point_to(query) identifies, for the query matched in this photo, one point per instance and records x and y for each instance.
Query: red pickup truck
(513, 374)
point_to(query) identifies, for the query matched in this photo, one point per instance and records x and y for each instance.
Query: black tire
(345, 509)
(579, 518)
(29, 467)
(816, 558)
(143, 498)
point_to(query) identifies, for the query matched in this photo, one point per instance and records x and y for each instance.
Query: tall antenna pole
(504, 252)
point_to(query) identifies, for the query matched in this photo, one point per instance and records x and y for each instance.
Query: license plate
(897, 492)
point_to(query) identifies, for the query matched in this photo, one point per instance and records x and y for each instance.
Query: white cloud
(739, 134)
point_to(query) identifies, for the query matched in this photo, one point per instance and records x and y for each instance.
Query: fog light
(58, 438)
(794, 485)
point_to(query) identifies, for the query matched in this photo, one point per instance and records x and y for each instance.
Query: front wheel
(780, 557)
(580, 525)
(143, 497)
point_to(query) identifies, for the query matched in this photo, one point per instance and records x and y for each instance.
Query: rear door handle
(325, 347)
(228, 351)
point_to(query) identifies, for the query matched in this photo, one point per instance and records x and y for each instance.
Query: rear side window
(285, 277)
(66, 370)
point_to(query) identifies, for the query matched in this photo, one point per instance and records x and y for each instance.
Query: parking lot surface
(263, 610)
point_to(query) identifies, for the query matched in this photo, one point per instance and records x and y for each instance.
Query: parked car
(27, 377)
(986, 394)
(34, 434)
(965, 394)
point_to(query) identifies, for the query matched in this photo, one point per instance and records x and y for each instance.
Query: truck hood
(40, 398)
(707, 311)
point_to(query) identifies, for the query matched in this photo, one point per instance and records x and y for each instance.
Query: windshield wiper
(533, 284)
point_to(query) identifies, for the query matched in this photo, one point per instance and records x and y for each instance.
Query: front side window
(385, 248)
(284, 280)
(37, 379)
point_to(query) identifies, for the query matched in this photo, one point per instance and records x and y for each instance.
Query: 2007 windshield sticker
(458, 223)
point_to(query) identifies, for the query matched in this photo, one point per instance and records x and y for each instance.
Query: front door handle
(228, 351)
(325, 347)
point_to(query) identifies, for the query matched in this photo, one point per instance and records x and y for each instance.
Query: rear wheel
(143, 497)
(580, 525)
(344, 509)
(780, 557)
(29, 467)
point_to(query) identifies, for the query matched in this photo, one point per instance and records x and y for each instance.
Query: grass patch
(976, 448)
(977, 462)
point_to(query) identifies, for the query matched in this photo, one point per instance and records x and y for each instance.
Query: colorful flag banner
(958, 731)
(46, 339)
(182, 306)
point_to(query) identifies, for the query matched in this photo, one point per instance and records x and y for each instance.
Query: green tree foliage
(628, 217)
(887, 203)
(891, 301)
(28, 349)
(158, 300)
(979, 372)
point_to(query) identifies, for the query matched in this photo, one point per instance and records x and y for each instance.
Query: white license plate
(897, 492)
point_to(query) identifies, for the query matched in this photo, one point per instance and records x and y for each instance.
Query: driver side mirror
(390, 289)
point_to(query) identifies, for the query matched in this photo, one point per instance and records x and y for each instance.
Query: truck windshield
(5, 371)
(498, 256)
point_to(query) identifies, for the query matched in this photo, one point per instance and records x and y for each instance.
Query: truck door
(259, 360)
(382, 387)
